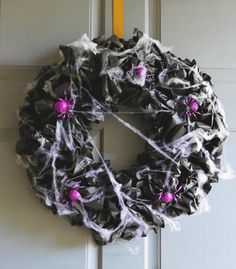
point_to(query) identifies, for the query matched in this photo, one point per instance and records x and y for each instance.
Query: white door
(206, 30)
(30, 31)
(30, 236)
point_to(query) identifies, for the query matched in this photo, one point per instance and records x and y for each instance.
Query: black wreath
(184, 142)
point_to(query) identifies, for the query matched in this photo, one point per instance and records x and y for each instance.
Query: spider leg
(65, 94)
(178, 189)
(178, 196)
(159, 196)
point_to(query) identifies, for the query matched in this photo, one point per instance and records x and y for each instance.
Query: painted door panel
(31, 236)
(204, 30)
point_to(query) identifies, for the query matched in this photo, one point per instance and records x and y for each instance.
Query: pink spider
(140, 71)
(168, 194)
(63, 107)
(74, 194)
(141, 74)
(192, 106)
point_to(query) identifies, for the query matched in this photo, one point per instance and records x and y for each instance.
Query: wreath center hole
(118, 143)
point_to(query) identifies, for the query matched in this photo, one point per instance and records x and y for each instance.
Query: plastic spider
(63, 107)
(73, 192)
(168, 194)
(140, 71)
(192, 107)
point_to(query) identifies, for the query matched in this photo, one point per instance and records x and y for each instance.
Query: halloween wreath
(183, 144)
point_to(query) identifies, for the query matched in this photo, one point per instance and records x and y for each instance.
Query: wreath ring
(184, 142)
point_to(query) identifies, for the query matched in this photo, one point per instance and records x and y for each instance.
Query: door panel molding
(96, 18)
